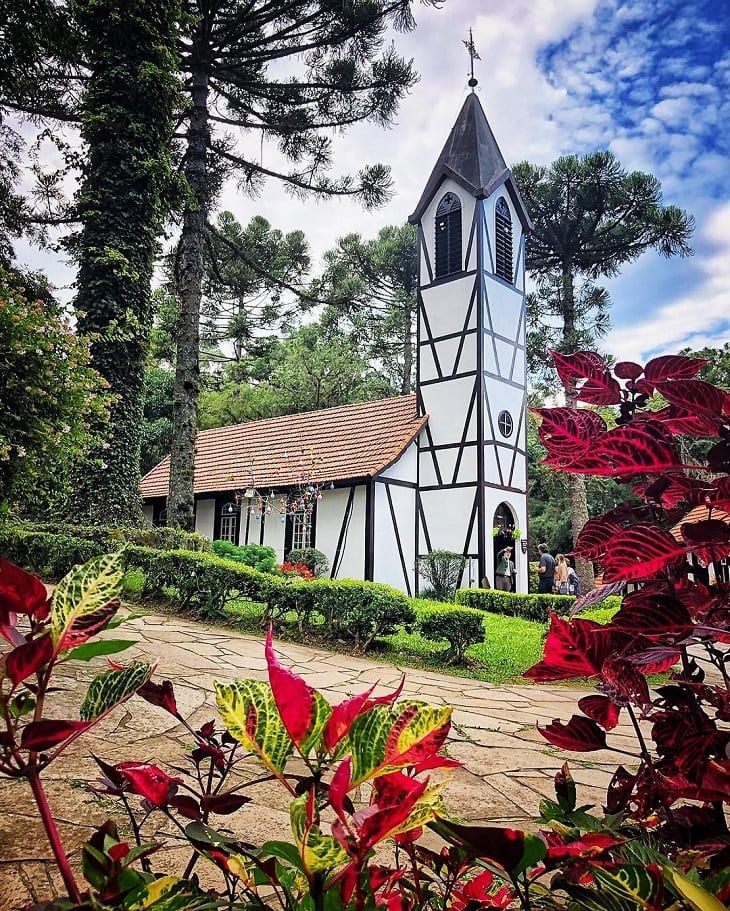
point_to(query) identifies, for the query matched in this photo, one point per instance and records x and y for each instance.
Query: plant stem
(54, 836)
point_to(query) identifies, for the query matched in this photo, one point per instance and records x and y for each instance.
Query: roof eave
(439, 175)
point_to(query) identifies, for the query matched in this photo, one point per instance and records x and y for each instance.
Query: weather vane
(469, 45)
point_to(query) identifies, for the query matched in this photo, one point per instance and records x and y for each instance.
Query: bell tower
(471, 377)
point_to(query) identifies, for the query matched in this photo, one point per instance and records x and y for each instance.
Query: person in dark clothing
(505, 571)
(545, 570)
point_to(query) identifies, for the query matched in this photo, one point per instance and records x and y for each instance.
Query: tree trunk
(406, 386)
(127, 125)
(181, 498)
(576, 483)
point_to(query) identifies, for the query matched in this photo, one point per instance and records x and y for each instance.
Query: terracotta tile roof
(335, 444)
(699, 514)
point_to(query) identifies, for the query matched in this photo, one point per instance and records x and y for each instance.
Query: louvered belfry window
(503, 240)
(448, 236)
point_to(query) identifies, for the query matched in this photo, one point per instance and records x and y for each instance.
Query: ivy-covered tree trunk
(181, 499)
(577, 492)
(127, 124)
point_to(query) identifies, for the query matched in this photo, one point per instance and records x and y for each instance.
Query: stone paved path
(507, 766)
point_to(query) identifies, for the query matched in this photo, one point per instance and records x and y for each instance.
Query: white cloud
(699, 317)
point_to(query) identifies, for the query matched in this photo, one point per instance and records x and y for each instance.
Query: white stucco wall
(330, 512)
(387, 566)
(274, 530)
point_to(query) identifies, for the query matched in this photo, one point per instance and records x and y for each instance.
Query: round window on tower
(505, 423)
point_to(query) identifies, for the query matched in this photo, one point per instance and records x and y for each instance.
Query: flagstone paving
(507, 767)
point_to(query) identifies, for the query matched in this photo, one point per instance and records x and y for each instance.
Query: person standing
(545, 570)
(561, 575)
(505, 570)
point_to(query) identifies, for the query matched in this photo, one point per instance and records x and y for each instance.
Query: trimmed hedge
(530, 607)
(459, 626)
(49, 555)
(112, 537)
(346, 609)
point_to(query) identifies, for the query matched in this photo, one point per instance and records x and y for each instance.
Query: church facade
(377, 484)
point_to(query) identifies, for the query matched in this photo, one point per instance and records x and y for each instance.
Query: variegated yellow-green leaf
(249, 712)
(419, 731)
(84, 590)
(699, 898)
(366, 742)
(384, 739)
(629, 883)
(112, 687)
(169, 893)
(427, 808)
(319, 853)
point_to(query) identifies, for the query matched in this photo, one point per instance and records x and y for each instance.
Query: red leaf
(653, 616)
(149, 781)
(585, 375)
(594, 537)
(119, 851)
(580, 734)
(695, 396)
(709, 539)
(619, 790)
(186, 806)
(590, 845)
(672, 490)
(223, 804)
(343, 715)
(572, 649)
(628, 370)
(28, 658)
(44, 734)
(685, 423)
(656, 660)
(340, 785)
(394, 797)
(505, 847)
(20, 592)
(294, 698)
(622, 680)
(569, 432)
(716, 781)
(88, 625)
(673, 367)
(162, 694)
(601, 709)
(640, 552)
(641, 447)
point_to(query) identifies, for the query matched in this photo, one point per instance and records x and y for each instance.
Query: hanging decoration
(298, 499)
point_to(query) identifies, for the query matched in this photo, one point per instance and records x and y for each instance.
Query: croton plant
(364, 777)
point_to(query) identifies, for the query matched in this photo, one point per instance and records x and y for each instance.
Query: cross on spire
(473, 55)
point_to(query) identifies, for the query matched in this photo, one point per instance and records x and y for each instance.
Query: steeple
(473, 159)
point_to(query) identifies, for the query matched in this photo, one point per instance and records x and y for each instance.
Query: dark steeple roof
(472, 158)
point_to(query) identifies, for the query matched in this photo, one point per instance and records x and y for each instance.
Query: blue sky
(649, 79)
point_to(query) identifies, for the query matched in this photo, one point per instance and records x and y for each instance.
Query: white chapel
(376, 484)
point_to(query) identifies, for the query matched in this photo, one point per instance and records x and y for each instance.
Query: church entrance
(503, 527)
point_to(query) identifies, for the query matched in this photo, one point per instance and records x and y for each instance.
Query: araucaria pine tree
(127, 122)
(288, 71)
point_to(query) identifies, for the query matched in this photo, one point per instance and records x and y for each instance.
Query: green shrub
(531, 607)
(312, 558)
(258, 556)
(443, 570)
(112, 537)
(203, 584)
(459, 626)
(51, 556)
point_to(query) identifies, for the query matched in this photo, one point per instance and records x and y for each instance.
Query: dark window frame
(447, 228)
(503, 247)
